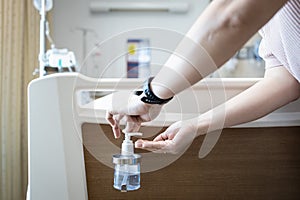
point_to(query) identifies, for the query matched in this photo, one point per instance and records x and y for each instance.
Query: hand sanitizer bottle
(127, 166)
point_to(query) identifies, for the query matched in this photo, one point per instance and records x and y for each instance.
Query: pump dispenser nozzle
(127, 145)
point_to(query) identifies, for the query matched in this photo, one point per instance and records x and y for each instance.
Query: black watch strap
(150, 97)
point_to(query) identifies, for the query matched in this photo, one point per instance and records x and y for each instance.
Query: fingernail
(138, 144)
(115, 134)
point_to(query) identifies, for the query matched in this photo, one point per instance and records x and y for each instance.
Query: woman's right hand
(176, 139)
(134, 112)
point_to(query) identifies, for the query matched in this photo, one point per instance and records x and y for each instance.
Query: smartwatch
(150, 97)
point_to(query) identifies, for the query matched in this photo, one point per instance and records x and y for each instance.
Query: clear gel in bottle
(127, 166)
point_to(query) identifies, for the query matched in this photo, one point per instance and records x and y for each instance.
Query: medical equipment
(53, 58)
(60, 58)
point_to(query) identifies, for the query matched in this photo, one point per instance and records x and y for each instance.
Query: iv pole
(85, 31)
(43, 6)
(42, 39)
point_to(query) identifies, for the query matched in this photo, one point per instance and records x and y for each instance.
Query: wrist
(150, 97)
(202, 125)
(161, 91)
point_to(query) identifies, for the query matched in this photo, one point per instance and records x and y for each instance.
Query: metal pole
(42, 38)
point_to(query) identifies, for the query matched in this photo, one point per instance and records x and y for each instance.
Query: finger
(133, 123)
(116, 131)
(138, 143)
(116, 126)
(151, 145)
(132, 127)
(161, 137)
(133, 118)
(117, 118)
(165, 135)
(109, 118)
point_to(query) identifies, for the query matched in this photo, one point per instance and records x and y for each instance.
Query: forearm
(278, 88)
(216, 35)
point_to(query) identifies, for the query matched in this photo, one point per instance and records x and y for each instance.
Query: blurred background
(100, 33)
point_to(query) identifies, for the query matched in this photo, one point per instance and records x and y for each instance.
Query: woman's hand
(176, 139)
(134, 112)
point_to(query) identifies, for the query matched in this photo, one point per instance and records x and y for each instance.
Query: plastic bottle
(127, 166)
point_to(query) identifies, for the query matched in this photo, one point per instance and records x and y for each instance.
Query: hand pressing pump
(127, 166)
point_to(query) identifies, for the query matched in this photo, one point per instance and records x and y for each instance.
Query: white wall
(71, 14)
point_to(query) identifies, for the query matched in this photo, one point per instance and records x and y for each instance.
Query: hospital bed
(70, 145)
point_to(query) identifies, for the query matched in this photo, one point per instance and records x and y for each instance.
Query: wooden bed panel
(246, 163)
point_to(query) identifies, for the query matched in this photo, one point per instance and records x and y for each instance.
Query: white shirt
(280, 45)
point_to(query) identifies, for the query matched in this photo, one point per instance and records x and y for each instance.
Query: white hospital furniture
(56, 113)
